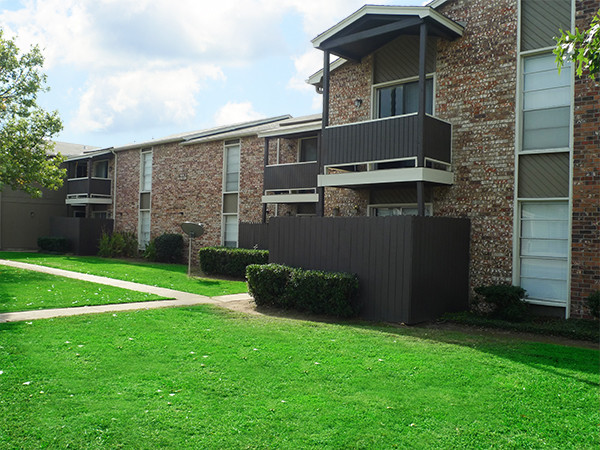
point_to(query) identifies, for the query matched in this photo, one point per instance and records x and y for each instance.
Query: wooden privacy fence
(83, 233)
(411, 269)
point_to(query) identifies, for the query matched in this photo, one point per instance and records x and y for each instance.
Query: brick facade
(585, 249)
(187, 186)
(476, 90)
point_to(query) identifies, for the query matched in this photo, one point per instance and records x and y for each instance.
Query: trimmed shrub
(314, 291)
(150, 251)
(503, 301)
(230, 261)
(593, 302)
(169, 248)
(54, 244)
(267, 284)
(118, 244)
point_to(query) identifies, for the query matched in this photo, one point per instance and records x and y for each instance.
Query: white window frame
(226, 145)
(376, 87)
(142, 243)
(94, 165)
(299, 152)
(516, 266)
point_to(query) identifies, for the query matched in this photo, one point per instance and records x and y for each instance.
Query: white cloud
(236, 112)
(146, 62)
(146, 96)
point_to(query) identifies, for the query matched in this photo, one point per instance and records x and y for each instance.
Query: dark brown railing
(98, 186)
(291, 176)
(383, 139)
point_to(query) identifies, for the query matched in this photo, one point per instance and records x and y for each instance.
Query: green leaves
(581, 47)
(26, 152)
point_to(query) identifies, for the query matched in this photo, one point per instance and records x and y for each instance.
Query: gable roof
(215, 133)
(372, 26)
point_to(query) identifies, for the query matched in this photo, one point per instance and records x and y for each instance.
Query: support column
(421, 116)
(324, 124)
(88, 207)
(266, 163)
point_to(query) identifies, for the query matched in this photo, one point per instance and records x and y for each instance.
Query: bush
(503, 301)
(54, 244)
(150, 251)
(230, 261)
(312, 291)
(593, 302)
(169, 248)
(118, 244)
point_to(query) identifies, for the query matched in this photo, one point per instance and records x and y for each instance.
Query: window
(232, 168)
(398, 210)
(544, 250)
(100, 169)
(403, 98)
(145, 198)
(79, 169)
(546, 103)
(144, 235)
(146, 171)
(308, 149)
(231, 187)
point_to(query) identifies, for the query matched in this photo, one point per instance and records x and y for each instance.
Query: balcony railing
(97, 187)
(291, 176)
(385, 139)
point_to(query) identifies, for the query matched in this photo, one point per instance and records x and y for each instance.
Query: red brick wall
(476, 86)
(127, 190)
(585, 250)
(187, 186)
(350, 82)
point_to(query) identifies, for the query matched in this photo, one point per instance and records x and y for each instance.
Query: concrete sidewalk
(179, 298)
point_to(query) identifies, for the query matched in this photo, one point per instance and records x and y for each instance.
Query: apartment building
(457, 109)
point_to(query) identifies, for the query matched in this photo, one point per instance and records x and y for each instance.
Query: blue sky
(124, 71)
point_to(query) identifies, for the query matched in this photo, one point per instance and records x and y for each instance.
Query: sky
(123, 71)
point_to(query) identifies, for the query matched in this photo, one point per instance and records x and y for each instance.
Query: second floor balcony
(81, 191)
(291, 183)
(385, 151)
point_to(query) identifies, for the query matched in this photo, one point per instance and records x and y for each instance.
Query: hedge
(314, 291)
(54, 244)
(169, 248)
(230, 261)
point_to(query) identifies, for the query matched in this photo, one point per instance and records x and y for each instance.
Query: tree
(581, 47)
(26, 151)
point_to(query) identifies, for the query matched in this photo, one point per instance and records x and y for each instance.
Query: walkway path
(179, 298)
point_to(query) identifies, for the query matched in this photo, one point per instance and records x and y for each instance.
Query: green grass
(25, 290)
(202, 377)
(172, 276)
(588, 330)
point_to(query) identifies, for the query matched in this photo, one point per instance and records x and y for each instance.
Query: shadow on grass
(547, 356)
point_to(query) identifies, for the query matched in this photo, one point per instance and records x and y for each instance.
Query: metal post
(190, 255)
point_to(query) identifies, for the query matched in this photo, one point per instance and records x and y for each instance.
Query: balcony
(291, 183)
(83, 191)
(384, 151)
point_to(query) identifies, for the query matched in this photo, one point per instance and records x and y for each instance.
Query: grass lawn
(172, 276)
(202, 377)
(24, 290)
